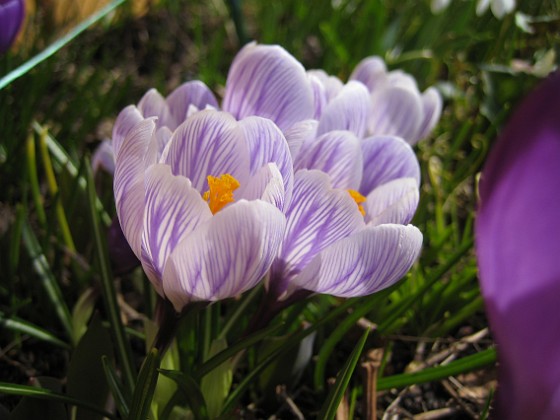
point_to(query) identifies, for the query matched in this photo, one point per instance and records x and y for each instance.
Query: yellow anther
(220, 191)
(359, 199)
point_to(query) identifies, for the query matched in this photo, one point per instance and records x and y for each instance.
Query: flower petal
(194, 93)
(267, 185)
(432, 105)
(317, 217)
(127, 119)
(299, 133)
(267, 81)
(267, 144)
(387, 158)
(208, 143)
(138, 151)
(364, 263)
(153, 104)
(395, 111)
(337, 153)
(349, 110)
(103, 158)
(331, 84)
(371, 71)
(226, 256)
(319, 95)
(173, 209)
(393, 202)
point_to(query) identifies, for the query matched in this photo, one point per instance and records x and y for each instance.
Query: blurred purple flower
(518, 246)
(201, 207)
(12, 13)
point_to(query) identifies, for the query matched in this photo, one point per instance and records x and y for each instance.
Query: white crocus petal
(500, 8)
(208, 143)
(393, 202)
(349, 110)
(364, 263)
(300, 133)
(266, 143)
(173, 209)
(163, 135)
(371, 71)
(387, 158)
(317, 217)
(398, 78)
(266, 81)
(137, 153)
(127, 119)
(337, 153)
(267, 185)
(432, 105)
(439, 5)
(395, 111)
(190, 96)
(225, 256)
(482, 6)
(153, 104)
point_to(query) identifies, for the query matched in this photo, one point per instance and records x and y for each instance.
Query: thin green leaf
(145, 386)
(47, 394)
(122, 345)
(59, 44)
(115, 386)
(41, 267)
(328, 410)
(463, 365)
(191, 392)
(15, 324)
(34, 180)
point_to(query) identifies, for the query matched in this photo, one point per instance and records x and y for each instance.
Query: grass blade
(191, 392)
(466, 364)
(15, 324)
(59, 44)
(124, 353)
(47, 394)
(328, 411)
(115, 387)
(145, 386)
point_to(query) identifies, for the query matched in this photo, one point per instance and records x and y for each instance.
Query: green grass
(53, 220)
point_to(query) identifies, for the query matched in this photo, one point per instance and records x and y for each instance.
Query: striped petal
(319, 95)
(364, 263)
(267, 144)
(338, 153)
(125, 122)
(332, 84)
(299, 133)
(393, 202)
(208, 143)
(395, 111)
(153, 104)
(432, 105)
(137, 153)
(103, 158)
(266, 184)
(191, 94)
(349, 110)
(267, 81)
(318, 216)
(371, 71)
(173, 209)
(387, 158)
(226, 256)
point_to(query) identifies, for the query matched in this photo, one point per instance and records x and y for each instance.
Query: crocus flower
(517, 241)
(499, 8)
(201, 207)
(329, 248)
(12, 13)
(397, 106)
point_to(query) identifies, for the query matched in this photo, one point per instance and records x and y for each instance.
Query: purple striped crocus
(12, 13)
(201, 206)
(394, 105)
(518, 246)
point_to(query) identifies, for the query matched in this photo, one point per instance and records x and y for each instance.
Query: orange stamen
(359, 199)
(220, 191)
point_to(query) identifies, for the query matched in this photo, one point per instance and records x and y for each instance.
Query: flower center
(359, 199)
(220, 191)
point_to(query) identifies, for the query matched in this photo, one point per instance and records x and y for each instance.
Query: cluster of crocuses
(297, 179)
